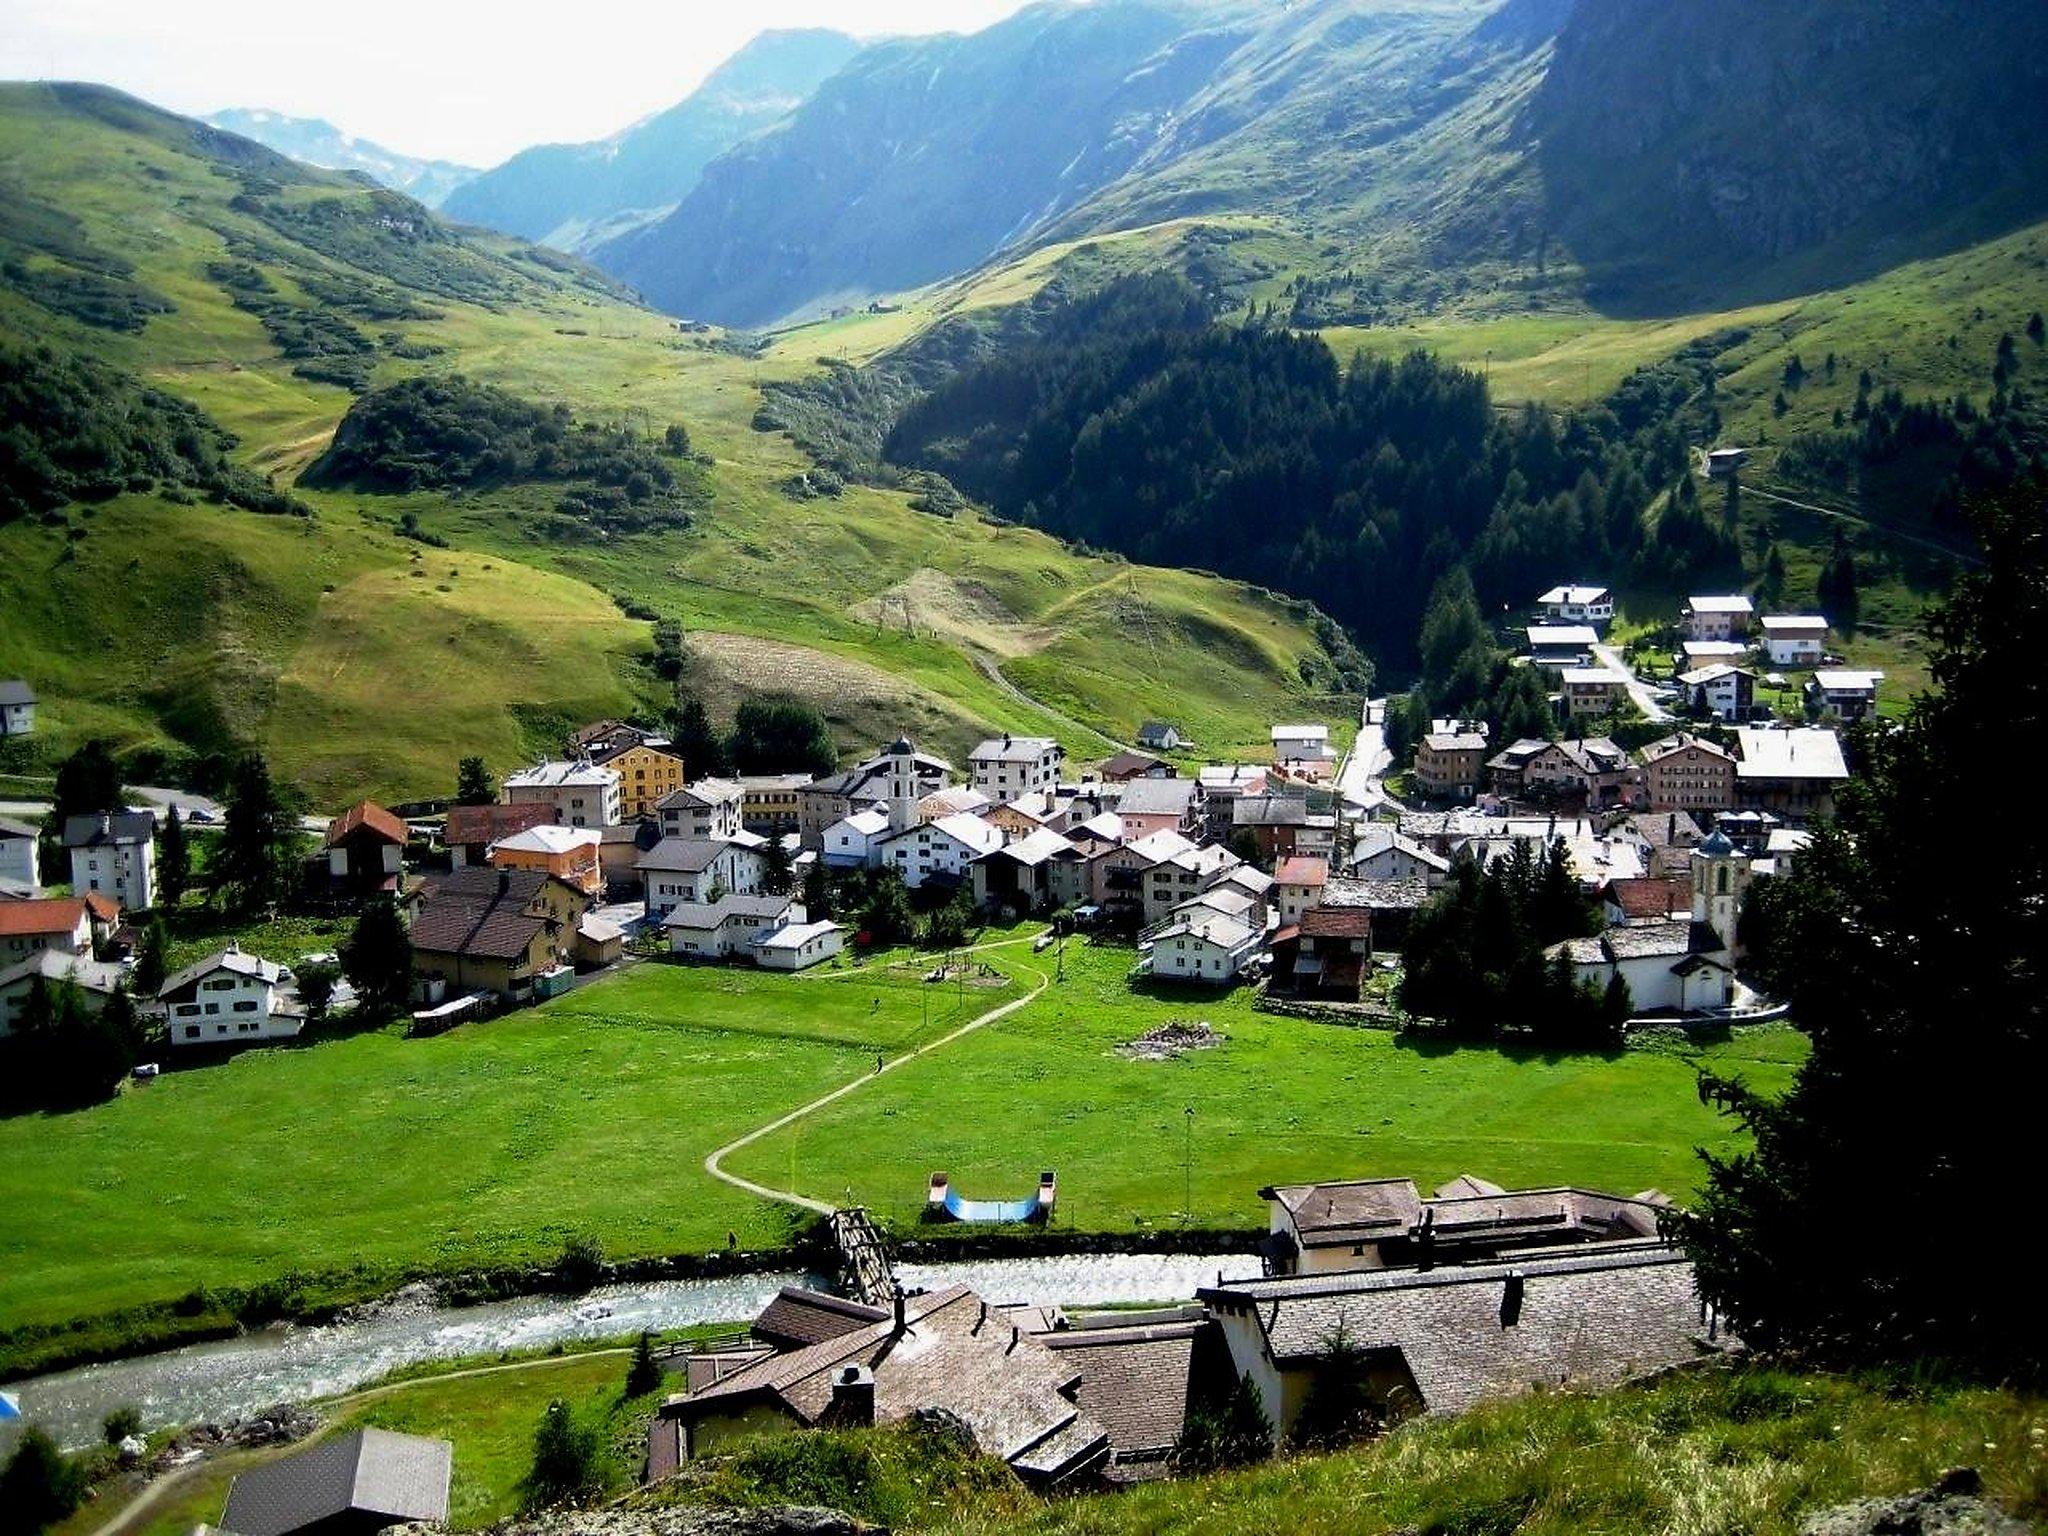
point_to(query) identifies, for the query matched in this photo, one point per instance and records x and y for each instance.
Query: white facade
(580, 794)
(1577, 604)
(1016, 765)
(96, 981)
(798, 946)
(1795, 639)
(1720, 617)
(850, 841)
(1727, 691)
(677, 870)
(943, 848)
(1302, 744)
(1206, 948)
(230, 999)
(114, 856)
(728, 926)
(17, 708)
(18, 855)
(709, 808)
(1382, 854)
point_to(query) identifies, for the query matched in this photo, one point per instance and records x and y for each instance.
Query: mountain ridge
(317, 142)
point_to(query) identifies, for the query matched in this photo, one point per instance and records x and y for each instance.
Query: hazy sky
(469, 80)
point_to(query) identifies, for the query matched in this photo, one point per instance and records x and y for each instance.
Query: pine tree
(817, 891)
(88, 784)
(566, 1459)
(473, 785)
(644, 1374)
(701, 748)
(255, 861)
(776, 874)
(378, 960)
(152, 962)
(173, 861)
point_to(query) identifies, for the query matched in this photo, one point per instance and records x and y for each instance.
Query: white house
(940, 850)
(1561, 645)
(1183, 875)
(1016, 765)
(1711, 653)
(229, 999)
(580, 794)
(1675, 967)
(707, 809)
(27, 928)
(1382, 853)
(1717, 617)
(1795, 639)
(850, 841)
(18, 870)
(1301, 744)
(17, 707)
(1298, 883)
(797, 946)
(1844, 692)
(1727, 691)
(96, 981)
(713, 930)
(1573, 604)
(114, 855)
(680, 869)
(1200, 945)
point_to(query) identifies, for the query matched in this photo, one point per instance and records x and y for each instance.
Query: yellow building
(646, 773)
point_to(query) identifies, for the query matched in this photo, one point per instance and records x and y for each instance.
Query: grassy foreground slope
(366, 663)
(592, 1115)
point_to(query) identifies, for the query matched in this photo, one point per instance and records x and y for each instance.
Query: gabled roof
(469, 825)
(1013, 749)
(798, 1317)
(1546, 636)
(1374, 841)
(1847, 680)
(234, 961)
(368, 815)
(14, 690)
(1158, 847)
(687, 855)
(867, 823)
(493, 930)
(1733, 602)
(1156, 797)
(702, 794)
(654, 744)
(1684, 740)
(1207, 926)
(792, 935)
(1573, 594)
(1650, 898)
(1036, 847)
(549, 839)
(1269, 811)
(1336, 923)
(953, 800)
(1406, 893)
(9, 827)
(1301, 869)
(107, 831)
(1794, 623)
(55, 966)
(1454, 741)
(559, 775)
(1230, 778)
(1348, 1210)
(49, 914)
(1126, 764)
(710, 914)
(371, 1471)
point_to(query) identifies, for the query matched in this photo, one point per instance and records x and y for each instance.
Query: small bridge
(865, 1273)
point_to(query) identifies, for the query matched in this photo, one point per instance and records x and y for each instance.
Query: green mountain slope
(568, 194)
(366, 661)
(316, 142)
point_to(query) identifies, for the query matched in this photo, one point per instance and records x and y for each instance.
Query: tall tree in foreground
(1919, 977)
(258, 841)
(378, 960)
(173, 861)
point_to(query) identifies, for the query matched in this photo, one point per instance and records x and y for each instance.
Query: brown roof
(53, 914)
(103, 907)
(1135, 1381)
(1650, 897)
(472, 824)
(799, 1317)
(496, 930)
(1351, 1211)
(366, 814)
(1301, 869)
(1125, 764)
(1337, 923)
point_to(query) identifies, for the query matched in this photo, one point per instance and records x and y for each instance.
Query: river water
(234, 1378)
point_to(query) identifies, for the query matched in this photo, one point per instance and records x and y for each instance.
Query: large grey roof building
(362, 1482)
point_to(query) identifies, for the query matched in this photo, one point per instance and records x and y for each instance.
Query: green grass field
(373, 1157)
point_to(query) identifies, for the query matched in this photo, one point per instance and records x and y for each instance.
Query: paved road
(1358, 776)
(1612, 659)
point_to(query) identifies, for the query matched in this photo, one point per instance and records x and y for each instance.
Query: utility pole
(1187, 1171)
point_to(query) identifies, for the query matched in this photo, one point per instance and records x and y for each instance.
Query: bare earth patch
(964, 612)
(1170, 1041)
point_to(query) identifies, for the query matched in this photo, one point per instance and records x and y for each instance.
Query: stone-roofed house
(1450, 764)
(1382, 853)
(1577, 603)
(493, 930)
(1392, 903)
(1149, 805)
(1792, 773)
(1675, 966)
(947, 1349)
(1199, 945)
(1688, 773)
(1325, 954)
(1443, 1340)
(350, 1484)
(365, 848)
(1141, 1373)
(799, 1317)
(1005, 767)
(115, 855)
(708, 810)
(17, 707)
(718, 930)
(1668, 837)
(229, 998)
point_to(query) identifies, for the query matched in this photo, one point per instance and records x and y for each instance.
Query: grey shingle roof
(106, 831)
(14, 690)
(9, 827)
(1156, 797)
(709, 914)
(398, 1477)
(798, 1317)
(232, 960)
(685, 855)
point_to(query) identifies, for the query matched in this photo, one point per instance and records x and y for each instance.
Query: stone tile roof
(798, 1317)
(709, 914)
(1590, 1318)
(1647, 898)
(1337, 923)
(1156, 797)
(110, 830)
(366, 1471)
(15, 690)
(1013, 749)
(1349, 1211)
(685, 855)
(469, 825)
(1135, 1382)
(233, 961)
(1380, 895)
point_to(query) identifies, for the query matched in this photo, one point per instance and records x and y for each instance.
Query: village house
(1158, 736)
(1033, 873)
(1349, 1225)
(901, 773)
(1688, 773)
(1125, 766)
(604, 737)
(797, 946)
(1722, 617)
(1794, 639)
(471, 829)
(1181, 876)
(1557, 646)
(580, 794)
(365, 849)
(1158, 805)
(940, 851)
(679, 869)
(1675, 967)
(1792, 773)
(1722, 463)
(94, 980)
(1116, 872)
(1392, 903)
(1015, 818)
(1645, 899)
(229, 998)
(1325, 954)
(1667, 838)
(497, 931)
(17, 707)
(769, 803)
(20, 873)
(1303, 750)
(707, 809)
(1577, 604)
(1843, 693)
(1449, 763)
(1443, 1340)
(1280, 826)
(649, 770)
(1011, 766)
(570, 854)
(1695, 654)
(1592, 691)
(1199, 946)
(349, 1484)
(850, 841)
(114, 854)
(1594, 771)
(1298, 885)
(1729, 693)
(1382, 853)
(718, 930)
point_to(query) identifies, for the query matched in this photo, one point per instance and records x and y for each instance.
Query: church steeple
(1720, 874)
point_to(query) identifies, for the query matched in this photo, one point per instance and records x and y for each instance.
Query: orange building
(647, 770)
(567, 853)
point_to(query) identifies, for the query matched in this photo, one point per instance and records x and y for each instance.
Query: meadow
(363, 1160)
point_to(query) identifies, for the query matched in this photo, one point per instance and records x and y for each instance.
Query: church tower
(903, 795)
(1720, 874)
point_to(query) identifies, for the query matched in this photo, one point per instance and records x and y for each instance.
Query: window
(247, 1005)
(213, 1007)
(191, 1031)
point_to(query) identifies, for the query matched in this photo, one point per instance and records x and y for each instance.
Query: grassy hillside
(366, 661)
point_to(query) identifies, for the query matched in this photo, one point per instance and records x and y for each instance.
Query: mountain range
(314, 141)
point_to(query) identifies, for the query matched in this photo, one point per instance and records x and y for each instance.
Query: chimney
(853, 1397)
(901, 1324)
(504, 882)
(1511, 1299)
